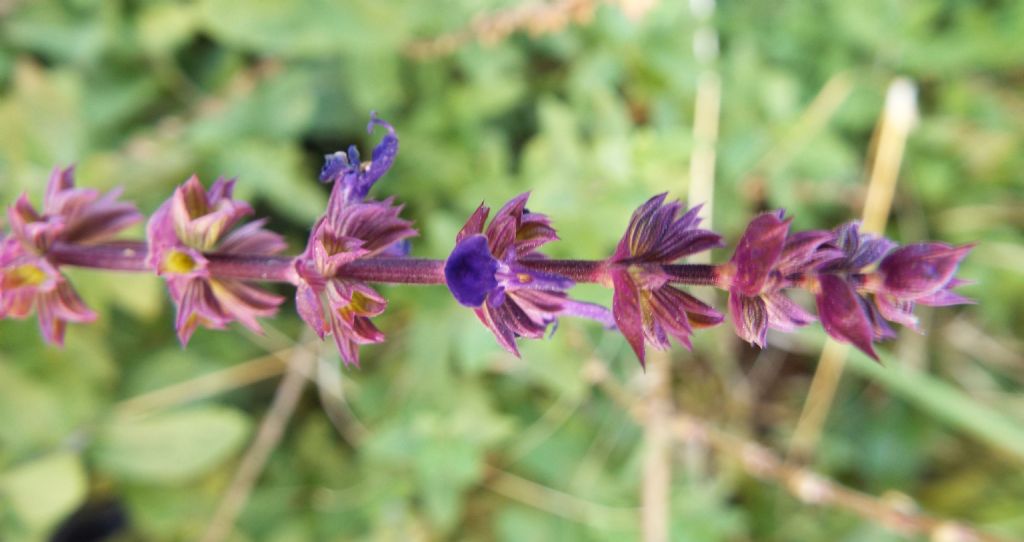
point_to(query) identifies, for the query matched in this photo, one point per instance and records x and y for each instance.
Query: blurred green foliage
(592, 118)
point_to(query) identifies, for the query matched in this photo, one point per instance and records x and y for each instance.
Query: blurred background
(593, 106)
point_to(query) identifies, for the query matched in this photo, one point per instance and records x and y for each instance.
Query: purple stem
(395, 270)
(574, 270)
(694, 274)
(120, 256)
(582, 271)
(241, 267)
(131, 256)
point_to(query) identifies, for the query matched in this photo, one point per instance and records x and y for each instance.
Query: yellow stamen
(358, 305)
(178, 263)
(25, 275)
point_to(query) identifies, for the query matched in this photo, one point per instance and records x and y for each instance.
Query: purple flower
(28, 276)
(486, 271)
(919, 273)
(846, 315)
(190, 226)
(768, 260)
(352, 177)
(27, 280)
(350, 230)
(646, 307)
(857, 250)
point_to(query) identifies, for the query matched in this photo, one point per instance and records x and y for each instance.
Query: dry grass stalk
(893, 511)
(536, 18)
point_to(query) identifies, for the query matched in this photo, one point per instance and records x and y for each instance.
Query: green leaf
(171, 447)
(702, 511)
(72, 35)
(31, 410)
(275, 173)
(163, 27)
(43, 125)
(936, 397)
(305, 27)
(43, 492)
(444, 451)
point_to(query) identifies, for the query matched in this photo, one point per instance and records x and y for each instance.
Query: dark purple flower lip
(470, 271)
(493, 269)
(353, 177)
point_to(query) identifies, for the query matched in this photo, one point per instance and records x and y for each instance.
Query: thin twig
(898, 512)
(897, 121)
(656, 496)
(534, 17)
(331, 391)
(268, 436)
(707, 106)
(558, 503)
(207, 385)
(811, 121)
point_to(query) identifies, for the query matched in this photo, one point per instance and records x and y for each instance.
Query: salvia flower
(28, 280)
(646, 307)
(845, 314)
(29, 276)
(919, 273)
(348, 232)
(184, 232)
(353, 177)
(487, 271)
(766, 261)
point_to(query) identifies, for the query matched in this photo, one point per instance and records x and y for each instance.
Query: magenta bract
(193, 223)
(349, 231)
(768, 259)
(646, 307)
(70, 216)
(485, 272)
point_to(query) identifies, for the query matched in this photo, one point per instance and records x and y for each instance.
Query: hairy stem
(131, 256)
(120, 256)
(395, 270)
(694, 274)
(576, 270)
(598, 271)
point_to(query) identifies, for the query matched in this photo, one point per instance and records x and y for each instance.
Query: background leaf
(171, 447)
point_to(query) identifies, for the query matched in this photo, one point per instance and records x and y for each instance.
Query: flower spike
(919, 273)
(855, 301)
(199, 242)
